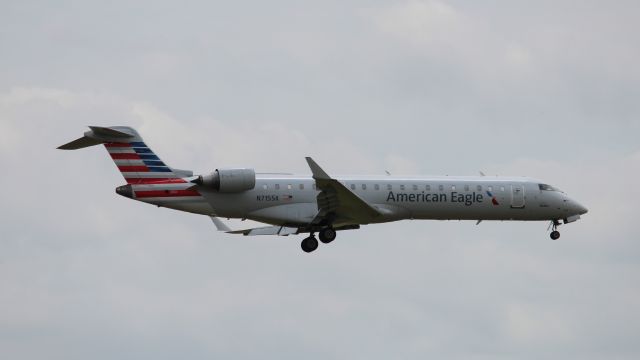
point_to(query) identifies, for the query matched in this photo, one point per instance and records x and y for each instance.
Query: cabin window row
(288, 187)
(389, 187)
(415, 187)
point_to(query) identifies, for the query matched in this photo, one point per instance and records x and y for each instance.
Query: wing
(265, 230)
(336, 203)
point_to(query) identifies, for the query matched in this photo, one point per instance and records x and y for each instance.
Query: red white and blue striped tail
(138, 163)
(135, 160)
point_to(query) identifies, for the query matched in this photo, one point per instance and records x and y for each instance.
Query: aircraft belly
(232, 205)
(292, 214)
(460, 211)
(482, 212)
(196, 206)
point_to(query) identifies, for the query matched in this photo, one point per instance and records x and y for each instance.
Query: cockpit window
(545, 187)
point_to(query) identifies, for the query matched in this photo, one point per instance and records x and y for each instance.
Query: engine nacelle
(229, 180)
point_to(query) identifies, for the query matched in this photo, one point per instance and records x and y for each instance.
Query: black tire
(555, 235)
(327, 235)
(309, 244)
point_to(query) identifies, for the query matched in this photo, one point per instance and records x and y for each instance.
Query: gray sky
(549, 89)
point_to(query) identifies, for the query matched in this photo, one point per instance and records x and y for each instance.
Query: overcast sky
(548, 89)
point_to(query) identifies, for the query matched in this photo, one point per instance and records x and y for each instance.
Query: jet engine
(228, 180)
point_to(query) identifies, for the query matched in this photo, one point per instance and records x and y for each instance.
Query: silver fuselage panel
(291, 200)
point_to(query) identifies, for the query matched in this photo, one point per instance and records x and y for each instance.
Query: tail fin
(135, 160)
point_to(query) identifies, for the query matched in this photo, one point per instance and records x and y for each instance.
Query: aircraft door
(517, 196)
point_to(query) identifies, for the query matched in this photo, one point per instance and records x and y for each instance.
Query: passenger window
(490, 188)
(453, 187)
(277, 186)
(301, 186)
(466, 188)
(376, 187)
(479, 188)
(264, 186)
(441, 187)
(415, 187)
(353, 186)
(389, 187)
(364, 186)
(402, 187)
(428, 187)
(501, 188)
(289, 186)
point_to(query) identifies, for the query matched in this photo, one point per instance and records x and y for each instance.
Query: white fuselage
(321, 203)
(291, 200)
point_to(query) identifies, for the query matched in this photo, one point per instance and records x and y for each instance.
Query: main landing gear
(309, 244)
(326, 235)
(555, 234)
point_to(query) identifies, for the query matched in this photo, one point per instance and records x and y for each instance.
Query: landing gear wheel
(309, 244)
(555, 235)
(327, 235)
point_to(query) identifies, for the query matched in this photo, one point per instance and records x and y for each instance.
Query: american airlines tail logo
(494, 201)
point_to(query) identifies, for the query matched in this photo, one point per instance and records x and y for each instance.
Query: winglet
(316, 170)
(219, 224)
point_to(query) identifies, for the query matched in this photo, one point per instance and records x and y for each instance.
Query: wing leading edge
(338, 207)
(336, 203)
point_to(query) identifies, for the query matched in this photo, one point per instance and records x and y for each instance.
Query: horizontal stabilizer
(80, 143)
(100, 135)
(109, 133)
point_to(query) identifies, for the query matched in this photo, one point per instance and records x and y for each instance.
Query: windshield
(545, 187)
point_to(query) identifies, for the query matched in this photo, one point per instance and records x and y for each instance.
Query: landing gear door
(517, 196)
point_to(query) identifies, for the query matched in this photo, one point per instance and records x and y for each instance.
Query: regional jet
(320, 203)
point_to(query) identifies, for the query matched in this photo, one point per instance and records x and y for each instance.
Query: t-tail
(135, 160)
(148, 178)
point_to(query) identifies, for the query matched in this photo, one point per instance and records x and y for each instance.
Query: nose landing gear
(555, 234)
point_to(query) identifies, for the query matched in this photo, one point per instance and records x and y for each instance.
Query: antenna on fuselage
(388, 173)
(481, 173)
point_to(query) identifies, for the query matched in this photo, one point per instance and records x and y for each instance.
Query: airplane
(321, 203)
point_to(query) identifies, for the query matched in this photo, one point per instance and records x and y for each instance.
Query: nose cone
(125, 190)
(578, 208)
(583, 210)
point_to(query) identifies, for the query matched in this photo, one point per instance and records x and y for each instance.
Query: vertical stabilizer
(135, 160)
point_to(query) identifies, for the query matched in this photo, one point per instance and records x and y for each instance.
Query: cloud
(440, 87)
(532, 325)
(422, 22)
(438, 30)
(127, 271)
